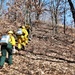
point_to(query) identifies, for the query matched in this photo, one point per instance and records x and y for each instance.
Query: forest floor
(45, 54)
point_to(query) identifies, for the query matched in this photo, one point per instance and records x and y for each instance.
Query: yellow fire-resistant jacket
(25, 32)
(25, 36)
(12, 40)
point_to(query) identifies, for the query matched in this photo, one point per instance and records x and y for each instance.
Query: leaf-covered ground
(45, 54)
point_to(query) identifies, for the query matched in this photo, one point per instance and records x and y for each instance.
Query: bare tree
(64, 16)
(72, 9)
(54, 10)
(1, 7)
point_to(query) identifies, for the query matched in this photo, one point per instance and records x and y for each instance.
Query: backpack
(4, 39)
(19, 32)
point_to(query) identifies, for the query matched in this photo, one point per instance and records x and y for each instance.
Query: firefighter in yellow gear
(21, 42)
(12, 39)
(23, 38)
(25, 35)
(7, 48)
(27, 26)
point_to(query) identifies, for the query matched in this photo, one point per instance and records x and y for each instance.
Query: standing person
(19, 42)
(19, 35)
(7, 48)
(22, 38)
(28, 28)
(25, 34)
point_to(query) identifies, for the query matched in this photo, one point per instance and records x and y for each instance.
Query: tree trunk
(37, 16)
(1, 3)
(65, 17)
(72, 9)
(64, 20)
(56, 22)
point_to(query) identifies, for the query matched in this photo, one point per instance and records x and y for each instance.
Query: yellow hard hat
(27, 26)
(10, 32)
(23, 26)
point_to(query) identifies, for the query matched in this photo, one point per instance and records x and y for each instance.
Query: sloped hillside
(45, 54)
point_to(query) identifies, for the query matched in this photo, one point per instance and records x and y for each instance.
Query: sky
(4, 5)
